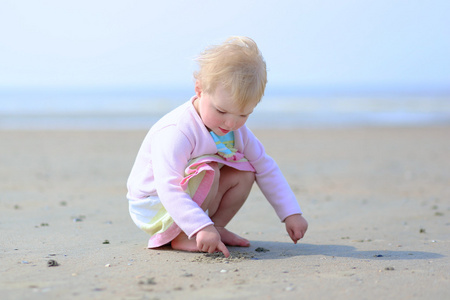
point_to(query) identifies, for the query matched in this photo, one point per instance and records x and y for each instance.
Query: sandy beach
(377, 201)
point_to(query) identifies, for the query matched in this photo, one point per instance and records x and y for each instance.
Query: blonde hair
(238, 66)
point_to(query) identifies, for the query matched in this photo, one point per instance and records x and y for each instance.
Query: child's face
(218, 112)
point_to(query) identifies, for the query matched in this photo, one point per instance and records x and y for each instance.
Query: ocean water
(124, 110)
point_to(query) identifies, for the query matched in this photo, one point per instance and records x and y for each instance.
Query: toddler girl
(197, 164)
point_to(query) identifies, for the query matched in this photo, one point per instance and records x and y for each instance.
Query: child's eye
(220, 112)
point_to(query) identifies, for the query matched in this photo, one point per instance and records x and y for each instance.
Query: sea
(139, 109)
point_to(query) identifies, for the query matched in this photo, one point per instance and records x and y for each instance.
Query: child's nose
(231, 123)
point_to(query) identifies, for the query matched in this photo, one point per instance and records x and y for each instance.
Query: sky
(359, 45)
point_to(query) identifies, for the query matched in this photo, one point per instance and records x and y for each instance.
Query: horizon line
(271, 90)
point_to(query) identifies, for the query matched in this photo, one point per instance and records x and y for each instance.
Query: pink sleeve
(171, 151)
(269, 178)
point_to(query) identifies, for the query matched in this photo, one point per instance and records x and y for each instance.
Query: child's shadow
(280, 250)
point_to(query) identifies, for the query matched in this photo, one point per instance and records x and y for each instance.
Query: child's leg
(234, 188)
(228, 193)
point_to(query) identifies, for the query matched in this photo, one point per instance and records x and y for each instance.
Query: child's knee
(248, 177)
(243, 177)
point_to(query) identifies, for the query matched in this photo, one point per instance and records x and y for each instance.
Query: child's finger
(295, 236)
(222, 248)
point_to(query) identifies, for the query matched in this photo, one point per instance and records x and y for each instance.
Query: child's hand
(296, 227)
(208, 240)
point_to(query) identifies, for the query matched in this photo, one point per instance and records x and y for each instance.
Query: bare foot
(182, 242)
(231, 239)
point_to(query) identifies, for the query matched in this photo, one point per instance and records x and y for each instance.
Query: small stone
(261, 249)
(107, 265)
(150, 281)
(422, 230)
(52, 263)
(378, 255)
(223, 271)
(79, 218)
(106, 242)
(389, 268)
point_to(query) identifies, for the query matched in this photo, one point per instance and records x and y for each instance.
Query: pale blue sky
(324, 44)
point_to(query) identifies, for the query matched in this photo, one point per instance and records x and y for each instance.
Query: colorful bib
(225, 146)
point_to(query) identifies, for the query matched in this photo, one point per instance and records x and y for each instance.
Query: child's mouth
(223, 130)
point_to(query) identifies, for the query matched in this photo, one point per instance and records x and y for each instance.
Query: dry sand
(377, 201)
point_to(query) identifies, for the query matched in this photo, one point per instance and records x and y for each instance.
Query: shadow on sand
(280, 250)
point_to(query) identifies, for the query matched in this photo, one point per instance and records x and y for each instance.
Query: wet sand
(377, 201)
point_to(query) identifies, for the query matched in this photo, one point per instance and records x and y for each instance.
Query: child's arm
(296, 227)
(269, 177)
(208, 240)
(171, 151)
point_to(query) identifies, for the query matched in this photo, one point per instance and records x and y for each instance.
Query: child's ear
(198, 88)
